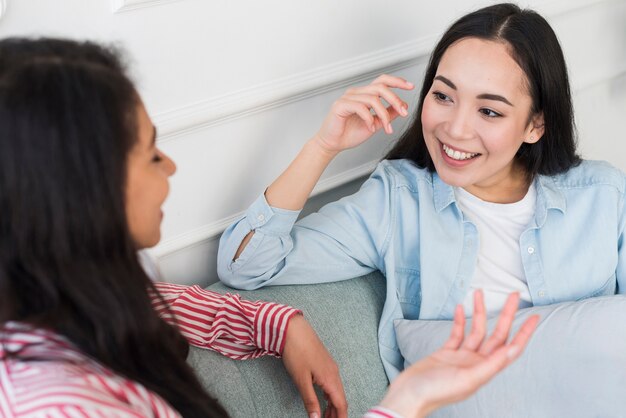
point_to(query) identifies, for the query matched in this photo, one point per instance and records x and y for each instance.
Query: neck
(510, 189)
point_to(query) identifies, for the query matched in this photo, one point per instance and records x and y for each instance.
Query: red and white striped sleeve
(237, 328)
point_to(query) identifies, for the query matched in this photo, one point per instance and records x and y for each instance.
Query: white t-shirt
(499, 269)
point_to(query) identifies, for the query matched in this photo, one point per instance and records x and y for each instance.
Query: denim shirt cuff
(269, 220)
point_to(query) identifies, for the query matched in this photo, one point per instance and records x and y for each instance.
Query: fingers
(374, 102)
(520, 340)
(503, 328)
(393, 81)
(505, 354)
(336, 397)
(479, 324)
(309, 398)
(458, 330)
(372, 96)
(345, 108)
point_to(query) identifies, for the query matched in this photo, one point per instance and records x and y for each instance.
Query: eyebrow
(488, 96)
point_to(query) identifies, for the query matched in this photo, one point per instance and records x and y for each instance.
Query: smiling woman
(484, 190)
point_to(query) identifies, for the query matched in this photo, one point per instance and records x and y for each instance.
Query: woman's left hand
(308, 362)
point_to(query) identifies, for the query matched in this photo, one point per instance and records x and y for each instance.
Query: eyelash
(157, 158)
(440, 97)
(443, 98)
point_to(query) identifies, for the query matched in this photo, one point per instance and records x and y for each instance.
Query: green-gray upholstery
(344, 314)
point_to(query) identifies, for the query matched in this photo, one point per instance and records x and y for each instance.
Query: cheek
(429, 116)
(501, 138)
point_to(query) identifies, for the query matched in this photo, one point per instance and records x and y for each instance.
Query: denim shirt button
(261, 218)
(541, 293)
(531, 250)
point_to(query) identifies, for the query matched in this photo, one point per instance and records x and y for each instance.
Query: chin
(148, 241)
(451, 178)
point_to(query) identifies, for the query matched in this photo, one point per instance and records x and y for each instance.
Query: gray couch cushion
(573, 366)
(344, 314)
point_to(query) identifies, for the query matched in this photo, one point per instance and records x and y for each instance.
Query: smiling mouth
(458, 155)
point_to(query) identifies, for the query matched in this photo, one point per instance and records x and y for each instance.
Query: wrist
(407, 405)
(319, 147)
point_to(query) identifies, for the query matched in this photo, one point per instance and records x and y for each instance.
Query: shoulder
(402, 174)
(590, 173)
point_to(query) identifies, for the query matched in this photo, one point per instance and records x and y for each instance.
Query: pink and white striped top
(60, 381)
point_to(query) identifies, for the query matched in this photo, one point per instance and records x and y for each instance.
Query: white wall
(235, 88)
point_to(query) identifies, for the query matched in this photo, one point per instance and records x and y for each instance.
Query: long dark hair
(536, 49)
(67, 260)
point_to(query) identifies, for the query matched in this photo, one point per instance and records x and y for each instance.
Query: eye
(490, 113)
(157, 158)
(440, 97)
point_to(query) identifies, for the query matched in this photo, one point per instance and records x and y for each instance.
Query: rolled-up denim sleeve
(344, 239)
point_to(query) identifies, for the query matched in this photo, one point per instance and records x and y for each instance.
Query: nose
(460, 124)
(169, 164)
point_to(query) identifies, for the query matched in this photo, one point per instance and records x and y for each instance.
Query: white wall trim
(120, 6)
(262, 97)
(234, 105)
(212, 230)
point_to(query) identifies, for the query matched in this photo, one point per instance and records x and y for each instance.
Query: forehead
(145, 127)
(483, 66)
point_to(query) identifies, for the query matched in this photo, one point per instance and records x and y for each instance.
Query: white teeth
(458, 155)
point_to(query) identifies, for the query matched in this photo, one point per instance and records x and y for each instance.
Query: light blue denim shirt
(405, 222)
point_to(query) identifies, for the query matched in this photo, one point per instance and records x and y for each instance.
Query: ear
(535, 129)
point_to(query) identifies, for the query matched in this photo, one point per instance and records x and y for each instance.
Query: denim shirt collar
(443, 193)
(548, 196)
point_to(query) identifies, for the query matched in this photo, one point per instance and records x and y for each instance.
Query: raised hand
(463, 364)
(308, 362)
(351, 121)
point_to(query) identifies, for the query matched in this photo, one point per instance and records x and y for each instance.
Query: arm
(345, 239)
(349, 123)
(226, 323)
(240, 329)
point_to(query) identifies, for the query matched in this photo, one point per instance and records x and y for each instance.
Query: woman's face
(476, 116)
(147, 184)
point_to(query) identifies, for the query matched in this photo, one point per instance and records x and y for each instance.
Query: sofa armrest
(344, 314)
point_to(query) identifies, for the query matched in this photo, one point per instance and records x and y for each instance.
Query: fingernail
(314, 415)
(408, 83)
(513, 352)
(403, 111)
(389, 128)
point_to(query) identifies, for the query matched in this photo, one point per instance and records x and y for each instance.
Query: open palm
(463, 364)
